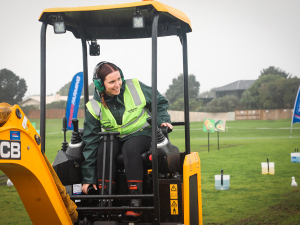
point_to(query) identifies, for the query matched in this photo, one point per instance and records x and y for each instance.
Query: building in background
(236, 88)
(35, 100)
(207, 96)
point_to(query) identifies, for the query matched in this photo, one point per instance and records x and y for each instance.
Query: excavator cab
(172, 179)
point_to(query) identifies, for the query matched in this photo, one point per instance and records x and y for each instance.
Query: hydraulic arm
(23, 161)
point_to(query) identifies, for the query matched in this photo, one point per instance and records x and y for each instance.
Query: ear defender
(98, 85)
(97, 81)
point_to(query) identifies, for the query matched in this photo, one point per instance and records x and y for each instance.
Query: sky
(231, 40)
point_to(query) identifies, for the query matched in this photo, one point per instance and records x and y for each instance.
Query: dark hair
(102, 72)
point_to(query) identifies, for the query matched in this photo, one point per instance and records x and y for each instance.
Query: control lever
(165, 129)
(161, 139)
(64, 129)
(104, 135)
(167, 155)
(111, 136)
(76, 138)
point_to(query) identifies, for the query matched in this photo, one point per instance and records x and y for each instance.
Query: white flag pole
(292, 125)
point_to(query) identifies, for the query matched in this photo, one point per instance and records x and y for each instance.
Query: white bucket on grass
(218, 182)
(268, 168)
(295, 157)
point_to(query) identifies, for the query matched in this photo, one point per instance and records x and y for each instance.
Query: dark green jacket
(116, 106)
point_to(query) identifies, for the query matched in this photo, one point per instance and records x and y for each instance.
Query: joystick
(64, 129)
(76, 138)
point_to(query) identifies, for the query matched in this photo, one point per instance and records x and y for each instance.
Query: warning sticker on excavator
(173, 191)
(174, 207)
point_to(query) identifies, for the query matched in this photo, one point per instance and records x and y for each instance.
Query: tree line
(274, 89)
(12, 87)
(271, 91)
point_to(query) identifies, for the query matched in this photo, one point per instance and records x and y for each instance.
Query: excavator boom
(22, 160)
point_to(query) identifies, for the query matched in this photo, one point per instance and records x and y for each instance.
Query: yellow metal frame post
(192, 196)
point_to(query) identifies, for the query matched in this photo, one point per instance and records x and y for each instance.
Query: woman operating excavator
(124, 106)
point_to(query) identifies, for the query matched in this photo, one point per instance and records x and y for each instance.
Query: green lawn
(253, 198)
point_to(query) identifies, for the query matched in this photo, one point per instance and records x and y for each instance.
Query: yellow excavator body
(23, 162)
(41, 191)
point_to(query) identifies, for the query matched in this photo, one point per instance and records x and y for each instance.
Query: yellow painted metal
(191, 166)
(157, 5)
(31, 176)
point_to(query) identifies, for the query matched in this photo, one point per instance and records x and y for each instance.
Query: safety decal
(77, 189)
(174, 207)
(24, 123)
(10, 149)
(173, 191)
(15, 135)
(174, 199)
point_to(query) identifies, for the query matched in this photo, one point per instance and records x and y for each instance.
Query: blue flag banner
(296, 114)
(74, 99)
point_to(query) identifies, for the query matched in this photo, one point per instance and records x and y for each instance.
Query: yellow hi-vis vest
(135, 115)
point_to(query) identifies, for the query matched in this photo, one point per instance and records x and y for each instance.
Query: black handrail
(128, 208)
(43, 87)
(74, 197)
(186, 91)
(85, 68)
(154, 119)
(178, 123)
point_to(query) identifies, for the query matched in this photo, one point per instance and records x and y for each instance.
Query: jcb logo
(10, 149)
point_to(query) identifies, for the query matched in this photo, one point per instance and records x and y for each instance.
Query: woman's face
(113, 83)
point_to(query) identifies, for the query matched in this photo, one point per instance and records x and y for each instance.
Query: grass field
(253, 198)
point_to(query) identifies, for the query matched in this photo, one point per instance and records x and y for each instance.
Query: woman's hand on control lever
(85, 187)
(167, 125)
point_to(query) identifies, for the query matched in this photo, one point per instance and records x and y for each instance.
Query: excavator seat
(146, 157)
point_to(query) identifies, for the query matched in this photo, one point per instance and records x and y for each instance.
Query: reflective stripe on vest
(96, 108)
(134, 93)
(134, 117)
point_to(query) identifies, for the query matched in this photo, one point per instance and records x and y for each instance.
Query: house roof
(30, 98)
(238, 85)
(49, 99)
